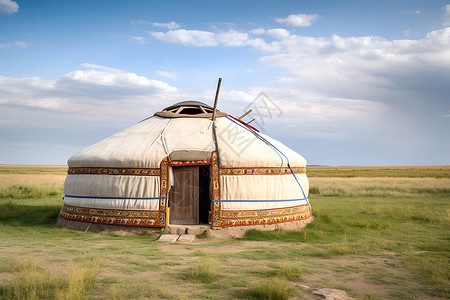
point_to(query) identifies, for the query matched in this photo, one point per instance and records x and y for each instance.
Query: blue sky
(357, 82)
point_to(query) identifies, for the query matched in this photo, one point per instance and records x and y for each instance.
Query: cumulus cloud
(232, 38)
(85, 91)
(57, 118)
(300, 20)
(170, 25)
(8, 7)
(196, 38)
(258, 31)
(367, 65)
(101, 67)
(278, 33)
(446, 18)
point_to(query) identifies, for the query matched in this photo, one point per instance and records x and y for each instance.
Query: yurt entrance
(189, 197)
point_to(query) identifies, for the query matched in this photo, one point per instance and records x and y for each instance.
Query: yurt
(187, 164)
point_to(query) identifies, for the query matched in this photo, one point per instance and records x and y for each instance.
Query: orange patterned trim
(143, 218)
(164, 190)
(261, 171)
(264, 216)
(189, 163)
(215, 191)
(114, 171)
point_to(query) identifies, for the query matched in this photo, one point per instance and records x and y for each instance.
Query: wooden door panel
(184, 196)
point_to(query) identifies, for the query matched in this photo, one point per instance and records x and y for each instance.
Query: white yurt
(186, 165)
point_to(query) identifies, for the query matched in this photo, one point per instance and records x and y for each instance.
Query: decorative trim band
(215, 190)
(164, 191)
(263, 217)
(189, 163)
(156, 172)
(115, 171)
(261, 171)
(121, 198)
(267, 200)
(143, 218)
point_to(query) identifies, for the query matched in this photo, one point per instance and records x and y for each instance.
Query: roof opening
(190, 111)
(193, 109)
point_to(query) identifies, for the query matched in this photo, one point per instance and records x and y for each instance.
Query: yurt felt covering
(125, 179)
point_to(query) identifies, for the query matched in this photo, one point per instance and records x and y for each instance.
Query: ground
(375, 237)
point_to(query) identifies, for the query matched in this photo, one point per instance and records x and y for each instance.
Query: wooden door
(184, 196)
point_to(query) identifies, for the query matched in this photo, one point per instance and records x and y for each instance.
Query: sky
(341, 82)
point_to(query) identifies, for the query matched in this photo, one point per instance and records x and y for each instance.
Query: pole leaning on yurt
(214, 119)
(216, 99)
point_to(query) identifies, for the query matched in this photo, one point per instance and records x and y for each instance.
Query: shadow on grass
(28, 215)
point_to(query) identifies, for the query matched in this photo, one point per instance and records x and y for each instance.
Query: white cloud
(262, 46)
(18, 44)
(366, 67)
(302, 20)
(258, 31)
(101, 67)
(197, 38)
(96, 83)
(85, 91)
(232, 38)
(138, 39)
(8, 7)
(166, 74)
(171, 25)
(278, 33)
(446, 18)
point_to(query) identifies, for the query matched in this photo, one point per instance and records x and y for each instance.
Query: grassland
(379, 233)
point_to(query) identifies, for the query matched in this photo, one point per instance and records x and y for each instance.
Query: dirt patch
(361, 275)
(6, 278)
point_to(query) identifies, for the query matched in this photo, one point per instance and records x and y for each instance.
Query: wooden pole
(214, 128)
(241, 117)
(215, 100)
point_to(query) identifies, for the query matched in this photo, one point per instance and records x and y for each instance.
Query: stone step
(186, 238)
(168, 238)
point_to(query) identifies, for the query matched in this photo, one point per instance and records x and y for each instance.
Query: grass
(380, 172)
(378, 233)
(206, 271)
(33, 281)
(269, 289)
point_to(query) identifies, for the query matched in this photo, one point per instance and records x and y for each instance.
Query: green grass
(33, 281)
(206, 271)
(374, 237)
(269, 289)
(385, 171)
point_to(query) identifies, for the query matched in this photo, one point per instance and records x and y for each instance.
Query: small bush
(270, 289)
(290, 272)
(32, 281)
(81, 278)
(314, 190)
(206, 271)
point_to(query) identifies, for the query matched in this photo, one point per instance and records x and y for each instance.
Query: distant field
(391, 171)
(378, 233)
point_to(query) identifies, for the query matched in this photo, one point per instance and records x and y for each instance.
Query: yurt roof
(146, 143)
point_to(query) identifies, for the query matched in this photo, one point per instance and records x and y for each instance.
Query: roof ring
(189, 108)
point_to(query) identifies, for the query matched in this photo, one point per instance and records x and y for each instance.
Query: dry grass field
(379, 233)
